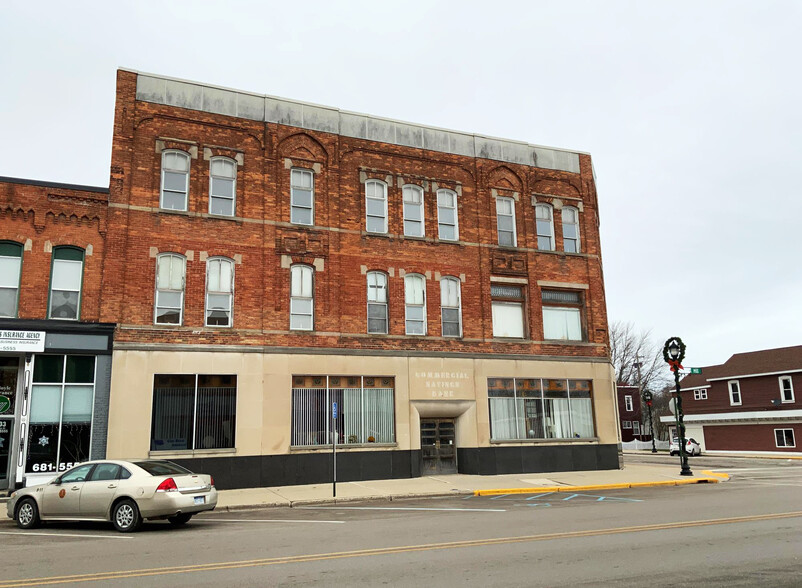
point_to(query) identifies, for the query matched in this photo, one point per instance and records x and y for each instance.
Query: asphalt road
(744, 532)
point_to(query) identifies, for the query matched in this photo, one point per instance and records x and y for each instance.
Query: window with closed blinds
(415, 303)
(562, 315)
(377, 303)
(507, 306)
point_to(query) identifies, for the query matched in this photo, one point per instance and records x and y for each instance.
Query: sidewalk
(635, 475)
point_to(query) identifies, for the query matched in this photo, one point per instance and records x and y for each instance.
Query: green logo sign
(5, 404)
(696, 370)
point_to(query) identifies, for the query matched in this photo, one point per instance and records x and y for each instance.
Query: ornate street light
(673, 354)
(646, 397)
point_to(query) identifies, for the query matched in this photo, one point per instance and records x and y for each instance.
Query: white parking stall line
(401, 508)
(212, 520)
(84, 535)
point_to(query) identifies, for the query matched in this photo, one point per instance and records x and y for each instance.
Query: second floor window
(302, 298)
(570, 229)
(65, 283)
(786, 389)
(170, 279)
(545, 227)
(505, 221)
(507, 305)
(222, 186)
(175, 180)
(10, 273)
(302, 197)
(377, 303)
(628, 403)
(735, 392)
(219, 292)
(415, 302)
(447, 221)
(375, 206)
(450, 307)
(562, 315)
(413, 211)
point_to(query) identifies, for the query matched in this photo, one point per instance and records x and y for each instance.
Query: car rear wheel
(27, 515)
(180, 519)
(125, 516)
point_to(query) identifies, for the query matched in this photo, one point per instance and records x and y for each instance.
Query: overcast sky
(691, 111)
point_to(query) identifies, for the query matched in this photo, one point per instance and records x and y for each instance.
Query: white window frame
(500, 201)
(458, 307)
(636, 427)
(500, 302)
(305, 172)
(576, 225)
(738, 392)
(156, 305)
(407, 305)
(455, 208)
(552, 308)
(539, 235)
(628, 406)
(377, 184)
(700, 394)
(66, 263)
(790, 381)
(299, 297)
(186, 172)
(412, 189)
(784, 445)
(230, 293)
(11, 282)
(378, 277)
(232, 178)
(626, 424)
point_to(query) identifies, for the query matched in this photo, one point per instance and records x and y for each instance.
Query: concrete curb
(715, 479)
(344, 500)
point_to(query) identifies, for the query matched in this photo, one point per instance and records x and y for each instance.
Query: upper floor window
(505, 221)
(170, 281)
(507, 305)
(628, 403)
(413, 211)
(735, 392)
(786, 389)
(222, 186)
(377, 303)
(175, 180)
(562, 316)
(219, 292)
(700, 394)
(375, 206)
(415, 302)
(784, 438)
(570, 229)
(65, 283)
(545, 227)
(450, 307)
(447, 221)
(302, 298)
(10, 273)
(302, 197)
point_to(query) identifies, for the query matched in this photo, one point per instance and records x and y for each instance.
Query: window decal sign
(22, 341)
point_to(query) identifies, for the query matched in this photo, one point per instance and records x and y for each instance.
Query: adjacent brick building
(633, 417)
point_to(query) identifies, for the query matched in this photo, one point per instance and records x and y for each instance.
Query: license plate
(200, 499)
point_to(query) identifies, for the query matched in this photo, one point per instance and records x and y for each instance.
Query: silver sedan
(123, 492)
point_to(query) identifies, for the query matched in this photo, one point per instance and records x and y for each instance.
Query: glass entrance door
(9, 376)
(438, 447)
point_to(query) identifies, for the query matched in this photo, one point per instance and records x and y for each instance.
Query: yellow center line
(94, 577)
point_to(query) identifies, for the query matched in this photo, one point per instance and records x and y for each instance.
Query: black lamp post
(673, 354)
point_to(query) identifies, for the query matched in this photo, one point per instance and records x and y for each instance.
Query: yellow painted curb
(721, 475)
(501, 491)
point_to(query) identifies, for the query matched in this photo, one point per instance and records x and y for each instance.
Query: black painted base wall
(352, 466)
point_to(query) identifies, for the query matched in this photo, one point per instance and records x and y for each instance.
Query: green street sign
(696, 370)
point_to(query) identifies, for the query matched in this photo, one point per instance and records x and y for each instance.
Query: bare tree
(627, 348)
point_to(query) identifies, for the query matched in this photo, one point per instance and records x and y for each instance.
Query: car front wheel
(126, 517)
(179, 519)
(27, 515)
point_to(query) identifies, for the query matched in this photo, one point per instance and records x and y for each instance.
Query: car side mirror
(57, 481)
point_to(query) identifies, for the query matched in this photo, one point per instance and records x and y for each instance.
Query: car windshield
(161, 468)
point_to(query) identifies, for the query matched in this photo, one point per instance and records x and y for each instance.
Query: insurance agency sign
(22, 341)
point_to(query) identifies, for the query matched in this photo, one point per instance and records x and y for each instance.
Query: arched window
(415, 302)
(450, 307)
(222, 186)
(302, 197)
(175, 180)
(377, 303)
(375, 206)
(302, 298)
(219, 292)
(505, 221)
(10, 274)
(545, 227)
(570, 229)
(413, 211)
(66, 279)
(170, 281)
(447, 221)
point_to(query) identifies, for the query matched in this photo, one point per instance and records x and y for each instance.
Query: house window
(505, 221)
(302, 197)
(784, 438)
(62, 397)
(377, 303)
(635, 428)
(222, 186)
(219, 292)
(66, 279)
(375, 206)
(175, 180)
(366, 410)
(626, 424)
(170, 281)
(10, 274)
(735, 392)
(539, 409)
(450, 307)
(545, 227)
(507, 306)
(302, 298)
(786, 389)
(562, 315)
(700, 394)
(570, 217)
(193, 411)
(415, 302)
(413, 211)
(447, 222)
(628, 403)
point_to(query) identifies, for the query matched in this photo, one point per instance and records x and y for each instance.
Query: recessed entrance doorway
(438, 447)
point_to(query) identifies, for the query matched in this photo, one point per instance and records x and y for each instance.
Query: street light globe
(673, 350)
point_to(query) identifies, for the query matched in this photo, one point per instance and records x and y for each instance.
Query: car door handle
(75, 488)
(111, 486)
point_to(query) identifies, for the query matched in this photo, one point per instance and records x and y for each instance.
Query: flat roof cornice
(45, 184)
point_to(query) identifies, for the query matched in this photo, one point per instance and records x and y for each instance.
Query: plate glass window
(786, 389)
(447, 221)
(302, 188)
(413, 211)
(222, 186)
(170, 281)
(375, 206)
(65, 283)
(784, 438)
(175, 180)
(562, 316)
(545, 227)
(219, 291)
(450, 307)
(505, 220)
(302, 300)
(735, 392)
(377, 303)
(10, 274)
(415, 303)
(508, 310)
(570, 217)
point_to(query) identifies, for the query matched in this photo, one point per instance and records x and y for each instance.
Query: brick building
(266, 259)
(633, 418)
(746, 404)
